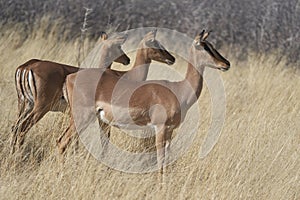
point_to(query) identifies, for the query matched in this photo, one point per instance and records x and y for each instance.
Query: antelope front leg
(83, 121)
(104, 135)
(160, 149)
(168, 135)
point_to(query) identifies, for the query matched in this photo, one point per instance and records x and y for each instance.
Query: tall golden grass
(256, 157)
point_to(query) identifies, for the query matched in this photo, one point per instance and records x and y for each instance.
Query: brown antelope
(160, 104)
(148, 49)
(39, 86)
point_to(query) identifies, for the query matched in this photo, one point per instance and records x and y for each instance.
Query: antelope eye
(196, 43)
(206, 47)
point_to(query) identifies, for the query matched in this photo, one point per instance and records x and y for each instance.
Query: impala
(39, 86)
(148, 49)
(159, 104)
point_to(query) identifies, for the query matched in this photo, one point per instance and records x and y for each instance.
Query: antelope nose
(127, 62)
(228, 66)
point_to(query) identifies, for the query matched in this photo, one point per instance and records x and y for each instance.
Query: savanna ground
(256, 157)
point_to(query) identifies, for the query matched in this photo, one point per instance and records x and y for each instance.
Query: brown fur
(48, 79)
(149, 49)
(146, 95)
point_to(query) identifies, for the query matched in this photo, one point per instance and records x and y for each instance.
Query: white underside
(128, 124)
(124, 124)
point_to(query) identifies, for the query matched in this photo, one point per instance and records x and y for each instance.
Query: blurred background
(257, 26)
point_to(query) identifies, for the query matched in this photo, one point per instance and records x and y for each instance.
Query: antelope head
(111, 46)
(209, 56)
(154, 50)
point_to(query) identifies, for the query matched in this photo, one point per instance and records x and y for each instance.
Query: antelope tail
(18, 83)
(25, 85)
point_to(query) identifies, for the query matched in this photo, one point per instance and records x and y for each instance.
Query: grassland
(256, 157)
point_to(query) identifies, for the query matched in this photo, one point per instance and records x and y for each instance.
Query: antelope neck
(141, 65)
(105, 60)
(193, 82)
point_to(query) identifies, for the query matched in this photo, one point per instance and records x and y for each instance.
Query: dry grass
(256, 157)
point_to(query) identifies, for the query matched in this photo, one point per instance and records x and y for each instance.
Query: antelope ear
(197, 40)
(119, 39)
(150, 37)
(205, 35)
(201, 34)
(103, 36)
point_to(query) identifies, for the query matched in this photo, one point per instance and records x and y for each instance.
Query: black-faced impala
(39, 86)
(149, 49)
(51, 76)
(160, 104)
